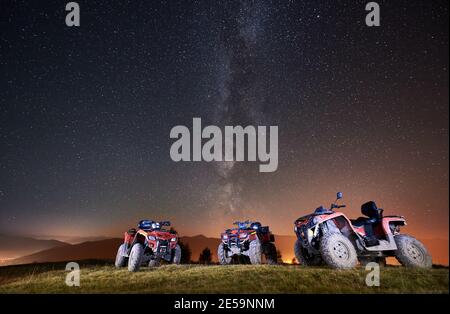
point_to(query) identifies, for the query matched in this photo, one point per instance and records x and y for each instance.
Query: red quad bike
(149, 244)
(250, 240)
(329, 237)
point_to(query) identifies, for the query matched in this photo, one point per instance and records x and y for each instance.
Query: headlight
(295, 229)
(242, 235)
(151, 238)
(173, 239)
(155, 225)
(225, 237)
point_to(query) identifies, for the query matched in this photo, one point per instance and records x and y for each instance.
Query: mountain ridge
(12, 247)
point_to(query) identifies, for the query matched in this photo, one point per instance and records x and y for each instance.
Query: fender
(394, 220)
(341, 221)
(309, 226)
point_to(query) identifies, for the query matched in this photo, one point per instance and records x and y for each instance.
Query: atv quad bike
(329, 237)
(149, 244)
(250, 240)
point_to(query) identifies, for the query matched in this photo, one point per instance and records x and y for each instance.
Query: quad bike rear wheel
(304, 257)
(338, 251)
(121, 259)
(254, 252)
(270, 252)
(176, 255)
(411, 252)
(135, 258)
(222, 254)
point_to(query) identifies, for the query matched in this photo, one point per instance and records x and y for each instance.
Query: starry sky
(86, 112)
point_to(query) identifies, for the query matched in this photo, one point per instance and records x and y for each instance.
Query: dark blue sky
(85, 113)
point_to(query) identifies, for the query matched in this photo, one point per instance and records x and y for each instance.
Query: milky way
(241, 26)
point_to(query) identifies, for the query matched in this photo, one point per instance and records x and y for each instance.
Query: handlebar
(337, 206)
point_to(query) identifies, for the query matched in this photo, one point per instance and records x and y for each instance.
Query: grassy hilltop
(50, 278)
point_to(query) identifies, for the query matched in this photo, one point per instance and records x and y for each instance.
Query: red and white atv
(149, 244)
(329, 237)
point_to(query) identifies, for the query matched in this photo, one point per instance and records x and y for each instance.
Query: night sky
(86, 112)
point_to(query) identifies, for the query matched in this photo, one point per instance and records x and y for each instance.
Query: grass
(104, 278)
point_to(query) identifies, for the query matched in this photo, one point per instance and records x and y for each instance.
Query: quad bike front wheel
(176, 255)
(222, 254)
(254, 252)
(121, 259)
(304, 257)
(338, 251)
(411, 252)
(135, 258)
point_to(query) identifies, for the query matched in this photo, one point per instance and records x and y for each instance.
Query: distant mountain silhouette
(198, 243)
(103, 249)
(15, 246)
(106, 250)
(71, 239)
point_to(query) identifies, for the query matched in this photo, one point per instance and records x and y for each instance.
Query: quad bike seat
(373, 216)
(371, 210)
